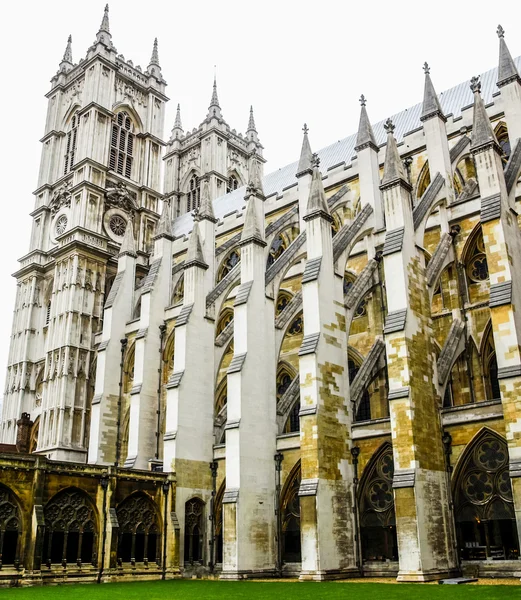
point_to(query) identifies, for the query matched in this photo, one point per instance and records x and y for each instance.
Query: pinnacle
(306, 155)
(317, 203)
(215, 100)
(482, 132)
(128, 245)
(105, 21)
(177, 122)
(507, 70)
(206, 206)
(393, 166)
(254, 177)
(67, 56)
(431, 104)
(154, 59)
(251, 230)
(251, 122)
(365, 136)
(164, 225)
(194, 253)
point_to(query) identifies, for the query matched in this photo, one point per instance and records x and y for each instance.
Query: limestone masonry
(312, 373)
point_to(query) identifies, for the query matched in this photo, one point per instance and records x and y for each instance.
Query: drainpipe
(278, 467)
(355, 452)
(124, 343)
(213, 468)
(104, 486)
(166, 489)
(162, 331)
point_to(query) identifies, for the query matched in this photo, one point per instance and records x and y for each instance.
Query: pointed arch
(194, 531)
(501, 133)
(122, 141)
(132, 113)
(290, 516)
(218, 520)
(229, 262)
(423, 181)
(489, 364)
(11, 524)
(139, 529)
(483, 505)
(235, 181)
(376, 507)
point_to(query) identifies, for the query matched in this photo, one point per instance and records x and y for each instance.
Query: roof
(453, 101)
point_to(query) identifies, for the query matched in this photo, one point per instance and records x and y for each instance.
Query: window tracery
(10, 528)
(501, 132)
(70, 529)
(225, 319)
(233, 184)
(179, 291)
(290, 517)
(490, 368)
(138, 530)
(71, 144)
(193, 196)
(477, 267)
(122, 145)
(297, 326)
(194, 510)
(283, 299)
(229, 263)
(218, 520)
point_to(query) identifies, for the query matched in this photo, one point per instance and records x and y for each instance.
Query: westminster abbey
(313, 373)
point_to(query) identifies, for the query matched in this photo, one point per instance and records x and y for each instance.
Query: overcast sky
(296, 62)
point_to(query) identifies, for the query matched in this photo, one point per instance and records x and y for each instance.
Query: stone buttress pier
(423, 520)
(326, 504)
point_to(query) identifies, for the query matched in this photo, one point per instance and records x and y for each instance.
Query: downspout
(278, 467)
(213, 468)
(162, 331)
(166, 489)
(355, 452)
(104, 486)
(124, 343)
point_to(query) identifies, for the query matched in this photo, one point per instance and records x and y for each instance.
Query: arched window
(224, 320)
(283, 299)
(218, 520)
(221, 396)
(71, 143)
(179, 291)
(278, 246)
(465, 175)
(193, 196)
(492, 389)
(336, 224)
(297, 326)
(376, 502)
(138, 530)
(70, 529)
(10, 528)
(290, 517)
(194, 509)
(501, 132)
(364, 408)
(484, 509)
(293, 422)
(232, 185)
(122, 145)
(477, 267)
(284, 379)
(229, 263)
(33, 439)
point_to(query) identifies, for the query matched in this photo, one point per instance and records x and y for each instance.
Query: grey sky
(294, 61)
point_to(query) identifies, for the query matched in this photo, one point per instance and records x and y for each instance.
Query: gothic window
(490, 368)
(336, 224)
(128, 370)
(485, 519)
(10, 528)
(118, 225)
(290, 517)
(221, 396)
(225, 319)
(293, 422)
(70, 529)
(424, 180)
(283, 299)
(278, 246)
(465, 174)
(194, 510)
(218, 520)
(284, 380)
(363, 412)
(168, 357)
(61, 224)
(139, 533)
(376, 502)
(179, 291)
(71, 143)
(229, 263)
(232, 185)
(33, 438)
(297, 326)
(477, 267)
(122, 145)
(193, 196)
(501, 132)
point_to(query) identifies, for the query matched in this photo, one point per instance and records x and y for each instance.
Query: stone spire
(104, 30)
(164, 226)
(507, 71)
(393, 166)
(214, 110)
(482, 132)
(154, 59)
(177, 122)
(67, 55)
(194, 254)
(254, 177)
(251, 122)
(128, 245)
(206, 207)
(251, 230)
(365, 136)
(306, 156)
(317, 203)
(431, 103)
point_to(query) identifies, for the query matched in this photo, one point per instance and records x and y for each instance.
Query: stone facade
(311, 373)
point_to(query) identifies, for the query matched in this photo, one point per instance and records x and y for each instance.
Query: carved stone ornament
(61, 197)
(118, 196)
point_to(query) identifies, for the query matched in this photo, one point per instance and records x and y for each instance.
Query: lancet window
(194, 510)
(70, 529)
(290, 517)
(139, 531)
(122, 145)
(10, 528)
(485, 519)
(218, 521)
(232, 185)
(193, 196)
(71, 141)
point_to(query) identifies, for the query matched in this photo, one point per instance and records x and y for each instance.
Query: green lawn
(202, 590)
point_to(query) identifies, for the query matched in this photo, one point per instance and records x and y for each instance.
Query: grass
(247, 590)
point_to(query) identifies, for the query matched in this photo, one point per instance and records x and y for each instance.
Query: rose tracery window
(61, 224)
(10, 528)
(118, 225)
(70, 529)
(138, 530)
(122, 145)
(485, 517)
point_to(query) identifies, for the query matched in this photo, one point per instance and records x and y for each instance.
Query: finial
(67, 56)
(177, 122)
(475, 85)
(389, 126)
(215, 100)
(154, 59)
(251, 122)
(105, 21)
(500, 31)
(362, 100)
(315, 161)
(426, 68)
(305, 129)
